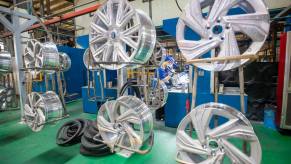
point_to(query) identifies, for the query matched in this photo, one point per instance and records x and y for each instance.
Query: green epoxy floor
(19, 145)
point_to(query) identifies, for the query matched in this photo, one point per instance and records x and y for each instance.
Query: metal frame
(17, 28)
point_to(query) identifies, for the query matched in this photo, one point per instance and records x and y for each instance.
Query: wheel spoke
(195, 49)
(108, 53)
(134, 138)
(236, 155)
(104, 125)
(186, 143)
(127, 16)
(28, 111)
(120, 12)
(128, 116)
(192, 17)
(201, 122)
(98, 29)
(229, 46)
(37, 103)
(109, 106)
(232, 129)
(98, 38)
(131, 30)
(255, 25)
(99, 50)
(103, 18)
(220, 8)
(122, 55)
(128, 40)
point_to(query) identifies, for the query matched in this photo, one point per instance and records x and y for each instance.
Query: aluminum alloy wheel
(89, 62)
(40, 108)
(218, 30)
(48, 58)
(121, 34)
(33, 115)
(65, 61)
(159, 55)
(5, 62)
(126, 121)
(3, 97)
(158, 95)
(32, 49)
(215, 145)
(9, 95)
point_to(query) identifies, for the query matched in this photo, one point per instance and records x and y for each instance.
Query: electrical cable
(131, 84)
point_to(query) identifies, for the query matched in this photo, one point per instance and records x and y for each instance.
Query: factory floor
(19, 145)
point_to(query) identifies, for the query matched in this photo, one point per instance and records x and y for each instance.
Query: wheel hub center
(213, 145)
(217, 29)
(113, 34)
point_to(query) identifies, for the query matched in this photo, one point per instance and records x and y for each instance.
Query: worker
(166, 72)
(167, 69)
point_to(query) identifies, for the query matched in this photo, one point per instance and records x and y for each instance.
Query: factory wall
(162, 9)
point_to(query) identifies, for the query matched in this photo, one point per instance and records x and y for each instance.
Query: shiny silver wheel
(120, 35)
(158, 95)
(89, 62)
(5, 62)
(222, 144)
(9, 95)
(48, 58)
(32, 49)
(3, 96)
(159, 55)
(65, 61)
(125, 124)
(218, 30)
(41, 108)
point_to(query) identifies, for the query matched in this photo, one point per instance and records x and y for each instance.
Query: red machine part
(281, 72)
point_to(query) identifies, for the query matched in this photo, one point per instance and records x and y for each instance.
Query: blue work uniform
(163, 73)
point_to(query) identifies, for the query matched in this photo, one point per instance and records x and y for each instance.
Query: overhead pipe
(64, 17)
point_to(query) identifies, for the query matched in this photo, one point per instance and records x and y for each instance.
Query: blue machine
(175, 109)
(90, 105)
